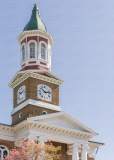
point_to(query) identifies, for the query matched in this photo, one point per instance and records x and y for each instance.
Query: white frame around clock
(25, 94)
(38, 92)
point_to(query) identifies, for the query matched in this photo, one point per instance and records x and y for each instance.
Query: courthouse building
(36, 113)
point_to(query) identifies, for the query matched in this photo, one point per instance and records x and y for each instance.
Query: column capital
(76, 145)
(69, 149)
(85, 146)
(31, 137)
(42, 139)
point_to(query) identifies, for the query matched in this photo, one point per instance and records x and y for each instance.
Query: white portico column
(75, 153)
(84, 152)
(42, 140)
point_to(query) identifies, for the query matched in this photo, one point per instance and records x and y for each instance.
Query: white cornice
(36, 125)
(6, 132)
(94, 145)
(35, 33)
(66, 115)
(92, 148)
(49, 73)
(34, 75)
(36, 103)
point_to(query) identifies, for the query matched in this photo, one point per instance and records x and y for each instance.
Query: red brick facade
(8, 144)
(43, 39)
(24, 41)
(29, 111)
(31, 91)
(62, 151)
(32, 38)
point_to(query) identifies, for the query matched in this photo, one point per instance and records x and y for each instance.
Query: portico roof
(63, 119)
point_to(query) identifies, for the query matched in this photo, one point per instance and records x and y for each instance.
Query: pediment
(44, 75)
(62, 119)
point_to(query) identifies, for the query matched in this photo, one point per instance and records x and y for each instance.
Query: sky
(82, 55)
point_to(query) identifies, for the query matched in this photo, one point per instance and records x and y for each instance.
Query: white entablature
(59, 127)
(25, 34)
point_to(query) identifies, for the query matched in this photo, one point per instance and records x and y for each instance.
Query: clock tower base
(29, 111)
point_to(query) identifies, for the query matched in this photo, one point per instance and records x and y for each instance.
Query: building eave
(24, 34)
(34, 75)
(52, 129)
(68, 116)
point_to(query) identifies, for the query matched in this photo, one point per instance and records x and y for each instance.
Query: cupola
(35, 44)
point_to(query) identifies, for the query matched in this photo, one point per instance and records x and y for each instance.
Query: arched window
(32, 50)
(3, 152)
(43, 51)
(20, 115)
(44, 112)
(23, 53)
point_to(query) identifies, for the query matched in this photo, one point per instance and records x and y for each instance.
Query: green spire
(35, 21)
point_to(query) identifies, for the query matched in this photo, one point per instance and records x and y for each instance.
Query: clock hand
(47, 92)
(43, 90)
(21, 92)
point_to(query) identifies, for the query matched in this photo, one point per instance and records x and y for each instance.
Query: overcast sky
(82, 55)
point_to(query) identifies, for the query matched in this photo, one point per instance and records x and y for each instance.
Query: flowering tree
(31, 150)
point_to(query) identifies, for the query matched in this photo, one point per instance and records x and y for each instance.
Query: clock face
(44, 92)
(21, 94)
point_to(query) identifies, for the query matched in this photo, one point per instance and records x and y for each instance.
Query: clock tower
(35, 87)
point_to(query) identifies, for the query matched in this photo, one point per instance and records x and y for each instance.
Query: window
(43, 51)
(3, 152)
(20, 115)
(23, 53)
(32, 50)
(44, 112)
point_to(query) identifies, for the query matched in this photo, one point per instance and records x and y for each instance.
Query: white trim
(29, 73)
(42, 42)
(36, 103)
(49, 73)
(23, 44)
(25, 34)
(2, 150)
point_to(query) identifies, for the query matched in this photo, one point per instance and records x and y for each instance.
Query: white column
(27, 51)
(42, 140)
(75, 153)
(84, 152)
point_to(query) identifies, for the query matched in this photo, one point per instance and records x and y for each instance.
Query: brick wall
(29, 111)
(31, 91)
(8, 144)
(69, 157)
(62, 151)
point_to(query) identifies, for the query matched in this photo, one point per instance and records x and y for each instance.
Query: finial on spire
(35, 22)
(35, 5)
